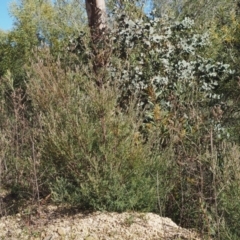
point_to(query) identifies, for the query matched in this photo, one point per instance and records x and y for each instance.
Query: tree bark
(96, 11)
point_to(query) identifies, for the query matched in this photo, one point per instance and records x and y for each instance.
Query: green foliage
(145, 131)
(221, 20)
(93, 155)
(162, 63)
(38, 24)
(229, 195)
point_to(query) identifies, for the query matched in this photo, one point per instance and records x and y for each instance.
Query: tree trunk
(96, 11)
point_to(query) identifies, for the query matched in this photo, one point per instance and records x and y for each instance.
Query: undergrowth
(144, 133)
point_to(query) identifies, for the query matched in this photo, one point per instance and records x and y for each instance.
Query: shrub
(92, 154)
(145, 132)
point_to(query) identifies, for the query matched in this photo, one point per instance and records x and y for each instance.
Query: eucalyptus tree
(96, 11)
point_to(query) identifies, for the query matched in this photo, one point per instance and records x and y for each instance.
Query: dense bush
(92, 155)
(163, 64)
(143, 132)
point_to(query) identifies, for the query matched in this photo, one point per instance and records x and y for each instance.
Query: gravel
(50, 222)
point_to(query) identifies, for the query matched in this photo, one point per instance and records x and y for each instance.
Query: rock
(90, 238)
(84, 231)
(18, 232)
(94, 226)
(49, 237)
(43, 235)
(61, 231)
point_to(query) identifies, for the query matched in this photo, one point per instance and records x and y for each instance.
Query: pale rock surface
(50, 224)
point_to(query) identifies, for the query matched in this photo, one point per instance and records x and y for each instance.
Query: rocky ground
(49, 223)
